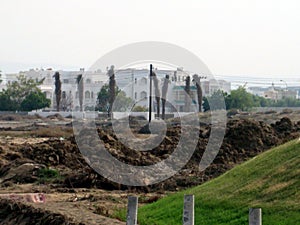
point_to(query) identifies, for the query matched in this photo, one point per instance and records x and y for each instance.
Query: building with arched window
(134, 82)
(93, 82)
(143, 95)
(87, 94)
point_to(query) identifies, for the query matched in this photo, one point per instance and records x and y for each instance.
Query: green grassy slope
(270, 181)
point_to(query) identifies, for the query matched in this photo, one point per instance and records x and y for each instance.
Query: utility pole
(150, 95)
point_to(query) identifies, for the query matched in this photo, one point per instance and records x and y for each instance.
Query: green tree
(205, 104)
(121, 102)
(6, 103)
(261, 101)
(286, 102)
(103, 99)
(17, 91)
(216, 101)
(0, 77)
(241, 99)
(35, 100)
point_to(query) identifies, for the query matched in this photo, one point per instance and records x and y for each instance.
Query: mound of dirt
(12, 213)
(18, 117)
(244, 138)
(56, 116)
(25, 173)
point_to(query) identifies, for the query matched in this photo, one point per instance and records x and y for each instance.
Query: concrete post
(132, 210)
(255, 216)
(188, 210)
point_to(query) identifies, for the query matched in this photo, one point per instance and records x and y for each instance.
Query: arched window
(88, 81)
(63, 95)
(87, 94)
(144, 81)
(143, 94)
(92, 94)
(47, 94)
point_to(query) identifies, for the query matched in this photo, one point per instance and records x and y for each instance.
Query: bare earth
(80, 196)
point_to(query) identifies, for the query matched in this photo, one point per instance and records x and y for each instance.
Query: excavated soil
(27, 147)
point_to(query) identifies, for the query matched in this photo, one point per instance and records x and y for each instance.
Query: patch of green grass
(47, 175)
(120, 214)
(270, 181)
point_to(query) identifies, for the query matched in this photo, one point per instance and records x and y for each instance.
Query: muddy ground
(41, 155)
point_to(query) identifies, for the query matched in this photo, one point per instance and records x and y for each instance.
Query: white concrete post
(188, 210)
(255, 216)
(132, 210)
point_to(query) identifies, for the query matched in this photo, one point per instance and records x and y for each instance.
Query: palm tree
(164, 95)
(187, 90)
(112, 88)
(197, 82)
(57, 89)
(157, 93)
(79, 81)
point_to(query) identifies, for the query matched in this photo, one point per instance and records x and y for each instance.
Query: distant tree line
(243, 100)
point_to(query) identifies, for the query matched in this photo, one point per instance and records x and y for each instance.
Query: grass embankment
(270, 181)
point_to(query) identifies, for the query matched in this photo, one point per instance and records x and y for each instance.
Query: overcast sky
(232, 37)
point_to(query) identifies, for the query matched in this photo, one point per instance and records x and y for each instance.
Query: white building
(213, 85)
(279, 93)
(134, 82)
(258, 91)
(93, 82)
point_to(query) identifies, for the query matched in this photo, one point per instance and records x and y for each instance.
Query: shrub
(48, 175)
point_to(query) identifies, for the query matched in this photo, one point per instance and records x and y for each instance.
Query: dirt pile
(244, 139)
(12, 213)
(247, 138)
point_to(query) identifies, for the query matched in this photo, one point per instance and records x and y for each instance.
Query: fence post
(255, 216)
(188, 210)
(132, 209)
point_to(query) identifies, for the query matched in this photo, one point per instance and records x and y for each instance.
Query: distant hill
(270, 181)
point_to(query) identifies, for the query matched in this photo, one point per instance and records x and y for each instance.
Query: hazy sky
(232, 37)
